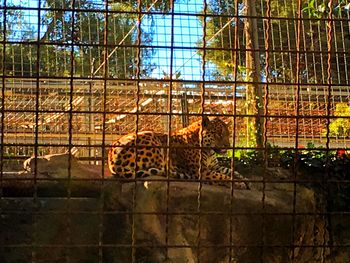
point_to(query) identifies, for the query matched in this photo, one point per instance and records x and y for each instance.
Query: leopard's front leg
(217, 177)
(214, 171)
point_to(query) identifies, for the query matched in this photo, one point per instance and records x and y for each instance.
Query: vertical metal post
(184, 110)
(328, 233)
(2, 108)
(103, 144)
(169, 131)
(297, 112)
(202, 86)
(91, 119)
(235, 60)
(137, 116)
(263, 121)
(36, 137)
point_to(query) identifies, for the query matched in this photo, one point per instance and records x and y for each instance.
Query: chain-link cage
(174, 131)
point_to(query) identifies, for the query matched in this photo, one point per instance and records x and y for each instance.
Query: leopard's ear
(205, 121)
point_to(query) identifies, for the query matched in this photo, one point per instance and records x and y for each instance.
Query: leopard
(188, 153)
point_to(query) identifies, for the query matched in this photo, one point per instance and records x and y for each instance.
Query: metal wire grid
(64, 105)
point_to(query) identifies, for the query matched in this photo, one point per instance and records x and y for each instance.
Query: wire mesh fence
(77, 75)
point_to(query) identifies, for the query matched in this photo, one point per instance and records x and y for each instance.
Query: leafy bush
(327, 172)
(340, 127)
(331, 172)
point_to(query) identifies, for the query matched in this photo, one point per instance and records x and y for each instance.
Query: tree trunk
(254, 88)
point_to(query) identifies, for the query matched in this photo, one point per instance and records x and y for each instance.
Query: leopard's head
(215, 134)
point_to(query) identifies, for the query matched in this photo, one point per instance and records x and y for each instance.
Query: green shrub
(340, 127)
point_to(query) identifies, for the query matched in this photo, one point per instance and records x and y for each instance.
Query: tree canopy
(75, 37)
(282, 39)
(72, 39)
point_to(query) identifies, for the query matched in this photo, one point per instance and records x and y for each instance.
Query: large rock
(160, 221)
(216, 226)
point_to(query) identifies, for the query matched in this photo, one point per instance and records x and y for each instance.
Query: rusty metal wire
(36, 140)
(328, 241)
(169, 126)
(137, 103)
(88, 84)
(234, 101)
(267, 27)
(2, 110)
(297, 110)
(202, 109)
(103, 154)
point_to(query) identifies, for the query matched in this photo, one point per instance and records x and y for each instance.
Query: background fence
(81, 73)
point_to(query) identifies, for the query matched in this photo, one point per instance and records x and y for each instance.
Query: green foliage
(250, 158)
(314, 10)
(340, 127)
(223, 59)
(254, 158)
(327, 172)
(283, 68)
(75, 39)
(341, 8)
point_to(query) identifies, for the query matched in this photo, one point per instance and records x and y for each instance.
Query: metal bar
(235, 60)
(36, 134)
(70, 133)
(328, 235)
(297, 112)
(192, 81)
(83, 212)
(138, 77)
(103, 152)
(265, 120)
(301, 181)
(2, 112)
(146, 12)
(240, 246)
(202, 107)
(169, 126)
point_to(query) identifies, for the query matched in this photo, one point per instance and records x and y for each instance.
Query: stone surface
(160, 221)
